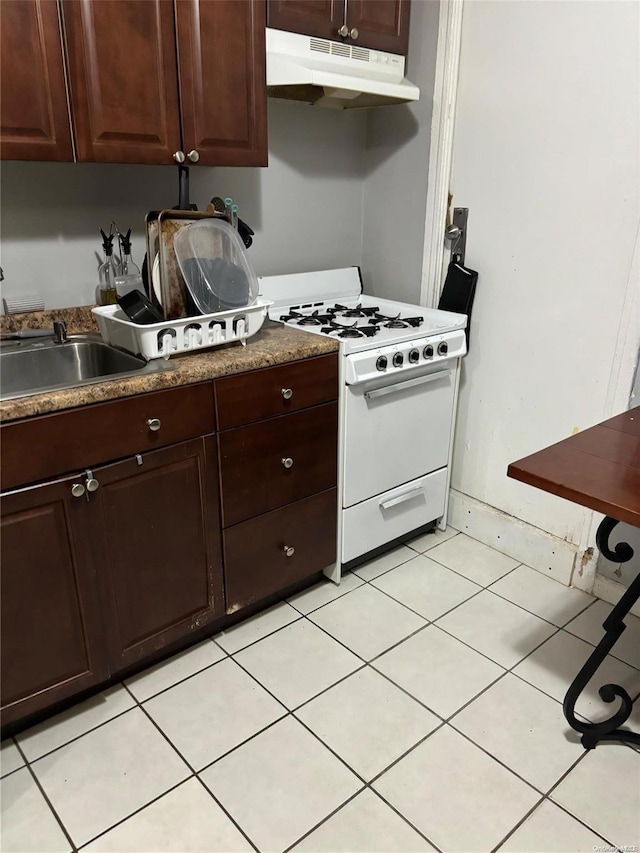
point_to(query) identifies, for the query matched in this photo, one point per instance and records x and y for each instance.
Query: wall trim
(441, 151)
(534, 547)
(611, 591)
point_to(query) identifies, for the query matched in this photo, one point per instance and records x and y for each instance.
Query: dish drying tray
(169, 337)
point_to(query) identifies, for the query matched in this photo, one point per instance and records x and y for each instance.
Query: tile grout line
(53, 811)
(366, 785)
(190, 766)
(365, 664)
(137, 811)
(306, 615)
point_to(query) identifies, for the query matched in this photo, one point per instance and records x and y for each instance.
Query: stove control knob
(398, 359)
(443, 348)
(427, 352)
(381, 363)
(414, 356)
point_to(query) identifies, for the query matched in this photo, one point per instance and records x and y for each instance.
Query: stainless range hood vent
(334, 74)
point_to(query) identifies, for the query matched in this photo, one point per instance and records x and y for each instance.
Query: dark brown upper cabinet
(124, 88)
(158, 81)
(377, 24)
(221, 66)
(321, 18)
(380, 24)
(149, 81)
(34, 114)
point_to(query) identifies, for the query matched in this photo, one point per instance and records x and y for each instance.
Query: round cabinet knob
(398, 359)
(354, 33)
(154, 424)
(452, 232)
(443, 348)
(287, 393)
(343, 31)
(287, 461)
(179, 157)
(77, 490)
(193, 156)
(289, 550)
(428, 351)
(381, 362)
(414, 356)
(92, 484)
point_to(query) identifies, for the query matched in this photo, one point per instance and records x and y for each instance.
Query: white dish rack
(169, 337)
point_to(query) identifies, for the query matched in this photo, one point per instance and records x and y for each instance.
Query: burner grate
(353, 331)
(313, 319)
(398, 322)
(358, 311)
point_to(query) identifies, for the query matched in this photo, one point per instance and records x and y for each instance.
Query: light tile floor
(415, 707)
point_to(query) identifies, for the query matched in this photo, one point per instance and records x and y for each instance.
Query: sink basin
(31, 366)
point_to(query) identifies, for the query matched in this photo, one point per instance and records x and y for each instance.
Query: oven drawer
(43, 447)
(399, 511)
(274, 391)
(273, 551)
(269, 464)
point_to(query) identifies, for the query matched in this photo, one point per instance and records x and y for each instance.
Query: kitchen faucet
(60, 331)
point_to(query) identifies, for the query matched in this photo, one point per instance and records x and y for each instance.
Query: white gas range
(398, 395)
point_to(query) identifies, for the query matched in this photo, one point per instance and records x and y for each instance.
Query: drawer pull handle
(91, 483)
(407, 496)
(289, 550)
(287, 393)
(77, 490)
(154, 424)
(287, 462)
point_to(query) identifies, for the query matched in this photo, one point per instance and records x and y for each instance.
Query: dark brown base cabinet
(90, 586)
(163, 570)
(52, 634)
(104, 568)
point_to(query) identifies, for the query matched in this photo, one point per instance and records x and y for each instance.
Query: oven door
(396, 429)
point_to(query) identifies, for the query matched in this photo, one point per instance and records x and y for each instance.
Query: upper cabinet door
(379, 24)
(124, 88)
(223, 96)
(322, 18)
(34, 115)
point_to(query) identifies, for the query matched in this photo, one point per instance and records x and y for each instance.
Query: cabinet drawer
(66, 441)
(270, 464)
(261, 394)
(255, 552)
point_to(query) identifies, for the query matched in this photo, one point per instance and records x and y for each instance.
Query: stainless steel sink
(31, 366)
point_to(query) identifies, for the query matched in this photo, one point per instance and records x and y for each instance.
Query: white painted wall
(546, 158)
(397, 165)
(306, 207)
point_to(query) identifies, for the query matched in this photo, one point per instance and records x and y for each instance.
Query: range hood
(334, 74)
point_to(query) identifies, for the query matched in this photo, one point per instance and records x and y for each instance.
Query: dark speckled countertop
(273, 344)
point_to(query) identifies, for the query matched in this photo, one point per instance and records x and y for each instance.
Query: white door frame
(441, 150)
(440, 164)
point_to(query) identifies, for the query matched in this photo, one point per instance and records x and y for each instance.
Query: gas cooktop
(331, 303)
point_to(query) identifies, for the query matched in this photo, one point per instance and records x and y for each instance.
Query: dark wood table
(600, 469)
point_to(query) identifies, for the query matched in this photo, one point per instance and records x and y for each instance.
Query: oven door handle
(407, 496)
(410, 383)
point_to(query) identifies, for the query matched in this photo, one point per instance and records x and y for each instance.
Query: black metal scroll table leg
(593, 733)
